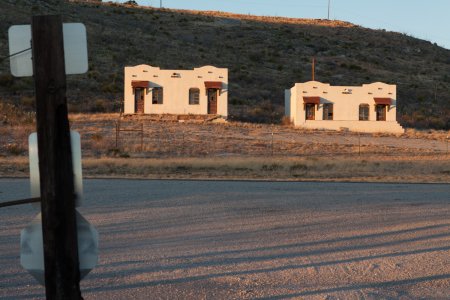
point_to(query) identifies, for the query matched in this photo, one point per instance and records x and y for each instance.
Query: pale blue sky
(425, 19)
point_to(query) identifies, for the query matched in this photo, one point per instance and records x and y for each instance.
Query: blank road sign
(76, 165)
(32, 248)
(75, 49)
(20, 43)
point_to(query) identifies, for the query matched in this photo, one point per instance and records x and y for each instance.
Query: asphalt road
(250, 240)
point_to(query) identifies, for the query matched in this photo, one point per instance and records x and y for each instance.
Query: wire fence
(174, 139)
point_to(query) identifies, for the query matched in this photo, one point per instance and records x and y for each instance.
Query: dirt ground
(251, 240)
(195, 138)
(168, 137)
(164, 147)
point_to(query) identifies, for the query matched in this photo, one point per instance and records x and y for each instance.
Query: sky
(424, 19)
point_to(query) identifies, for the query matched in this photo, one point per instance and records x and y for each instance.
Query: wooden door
(212, 101)
(139, 94)
(310, 111)
(381, 112)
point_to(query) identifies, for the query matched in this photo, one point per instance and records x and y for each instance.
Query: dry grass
(277, 168)
(374, 169)
(429, 134)
(196, 138)
(189, 139)
(237, 150)
(268, 19)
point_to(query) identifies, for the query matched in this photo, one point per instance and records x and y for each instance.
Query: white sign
(75, 49)
(32, 249)
(76, 166)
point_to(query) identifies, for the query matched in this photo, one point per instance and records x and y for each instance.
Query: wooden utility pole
(329, 9)
(62, 274)
(313, 69)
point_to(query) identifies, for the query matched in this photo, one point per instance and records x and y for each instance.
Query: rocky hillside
(264, 55)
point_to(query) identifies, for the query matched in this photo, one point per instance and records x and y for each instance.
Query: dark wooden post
(142, 137)
(117, 134)
(359, 144)
(62, 274)
(272, 143)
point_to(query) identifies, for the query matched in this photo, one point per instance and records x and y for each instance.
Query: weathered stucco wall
(176, 85)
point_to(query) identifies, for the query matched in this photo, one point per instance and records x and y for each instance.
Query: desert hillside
(265, 55)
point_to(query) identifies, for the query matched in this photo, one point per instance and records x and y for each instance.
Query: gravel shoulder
(251, 240)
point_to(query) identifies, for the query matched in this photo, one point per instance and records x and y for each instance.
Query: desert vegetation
(274, 53)
(174, 147)
(427, 169)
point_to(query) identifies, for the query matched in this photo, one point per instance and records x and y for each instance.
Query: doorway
(139, 94)
(310, 109)
(212, 101)
(381, 112)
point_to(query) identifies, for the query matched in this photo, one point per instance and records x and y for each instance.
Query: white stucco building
(150, 90)
(366, 108)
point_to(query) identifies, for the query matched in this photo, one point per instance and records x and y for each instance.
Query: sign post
(59, 229)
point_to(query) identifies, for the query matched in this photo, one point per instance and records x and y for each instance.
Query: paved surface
(251, 240)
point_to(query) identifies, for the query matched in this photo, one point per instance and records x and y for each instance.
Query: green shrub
(6, 80)
(15, 149)
(271, 167)
(97, 137)
(298, 167)
(99, 106)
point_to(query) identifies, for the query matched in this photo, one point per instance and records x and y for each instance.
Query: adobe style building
(366, 108)
(150, 90)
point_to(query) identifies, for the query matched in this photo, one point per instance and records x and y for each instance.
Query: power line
(19, 202)
(17, 53)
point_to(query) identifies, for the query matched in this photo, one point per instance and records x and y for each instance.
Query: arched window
(364, 112)
(194, 96)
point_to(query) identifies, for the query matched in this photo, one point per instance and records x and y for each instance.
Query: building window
(157, 97)
(364, 112)
(381, 112)
(310, 111)
(194, 96)
(328, 111)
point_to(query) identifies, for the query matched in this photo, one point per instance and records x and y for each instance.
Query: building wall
(176, 89)
(287, 102)
(346, 101)
(290, 107)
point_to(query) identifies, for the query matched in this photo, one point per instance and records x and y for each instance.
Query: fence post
(183, 144)
(447, 144)
(359, 144)
(117, 131)
(118, 134)
(142, 137)
(272, 143)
